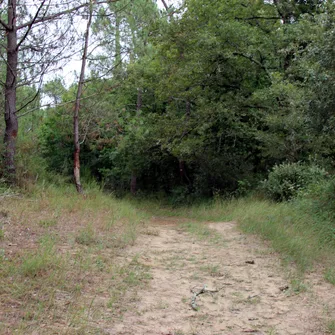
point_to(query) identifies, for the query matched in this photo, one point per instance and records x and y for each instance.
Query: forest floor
(237, 285)
(72, 265)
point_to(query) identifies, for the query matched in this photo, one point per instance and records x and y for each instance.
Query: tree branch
(5, 25)
(56, 15)
(51, 17)
(30, 25)
(254, 61)
(258, 17)
(30, 101)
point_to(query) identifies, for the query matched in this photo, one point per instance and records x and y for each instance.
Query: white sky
(73, 67)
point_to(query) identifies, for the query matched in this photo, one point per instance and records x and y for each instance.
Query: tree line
(198, 100)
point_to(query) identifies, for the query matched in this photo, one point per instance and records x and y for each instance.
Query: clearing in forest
(94, 265)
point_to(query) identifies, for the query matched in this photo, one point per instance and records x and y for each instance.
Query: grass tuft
(40, 261)
(330, 275)
(201, 231)
(86, 236)
(330, 327)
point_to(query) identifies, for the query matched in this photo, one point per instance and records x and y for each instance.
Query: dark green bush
(286, 180)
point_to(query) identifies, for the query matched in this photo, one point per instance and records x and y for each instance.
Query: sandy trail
(252, 298)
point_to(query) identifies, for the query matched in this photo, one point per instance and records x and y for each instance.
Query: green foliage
(330, 276)
(207, 102)
(56, 143)
(286, 180)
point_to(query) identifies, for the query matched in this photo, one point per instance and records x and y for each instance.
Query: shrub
(286, 180)
(318, 200)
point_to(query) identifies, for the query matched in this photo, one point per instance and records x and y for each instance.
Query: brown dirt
(257, 298)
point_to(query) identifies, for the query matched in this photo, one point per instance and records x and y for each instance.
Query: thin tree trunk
(76, 161)
(182, 168)
(10, 94)
(118, 55)
(133, 183)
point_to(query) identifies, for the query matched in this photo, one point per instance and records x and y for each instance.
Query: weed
(151, 231)
(201, 231)
(178, 332)
(330, 275)
(330, 327)
(272, 331)
(213, 270)
(47, 223)
(2, 234)
(40, 261)
(253, 300)
(162, 305)
(86, 236)
(2, 255)
(100, 264)
(298, 286)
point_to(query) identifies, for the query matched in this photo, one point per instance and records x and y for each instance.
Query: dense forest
(188, 100)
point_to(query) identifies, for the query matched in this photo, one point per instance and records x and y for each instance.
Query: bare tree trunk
(76, 161)
(133, 183)
(10, 94)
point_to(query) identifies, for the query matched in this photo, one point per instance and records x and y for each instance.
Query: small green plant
(86, 236)
(178, 332)
(330, 275)
(3, 255)
(47, 223)
(201, 231)
(253, 300)
(272, 331)
(298, 286)
(213, 270)
(2, 234)
(330, 327)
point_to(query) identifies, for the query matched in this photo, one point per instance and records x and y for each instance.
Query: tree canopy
(199, 99)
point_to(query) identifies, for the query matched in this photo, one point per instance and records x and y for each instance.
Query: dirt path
(254, 294)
